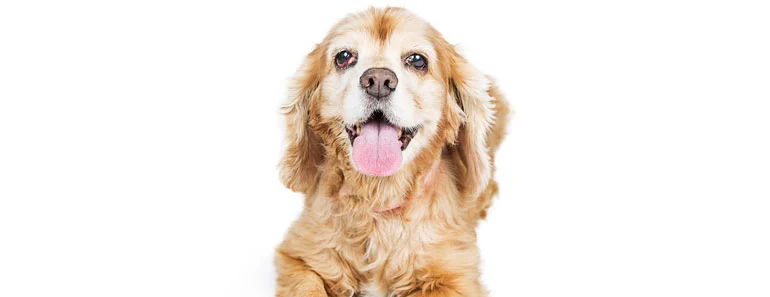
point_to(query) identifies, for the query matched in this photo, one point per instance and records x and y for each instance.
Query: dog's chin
(378, 145)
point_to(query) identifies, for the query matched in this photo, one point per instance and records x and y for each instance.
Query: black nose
(379, 82)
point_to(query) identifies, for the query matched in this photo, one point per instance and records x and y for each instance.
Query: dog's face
(383, 88)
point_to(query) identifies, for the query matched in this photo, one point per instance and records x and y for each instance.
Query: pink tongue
(377, 150)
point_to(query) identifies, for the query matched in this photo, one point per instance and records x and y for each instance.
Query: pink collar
(428, 180)
(395, 207)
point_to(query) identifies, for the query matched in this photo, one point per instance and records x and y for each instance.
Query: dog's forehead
(381, 35)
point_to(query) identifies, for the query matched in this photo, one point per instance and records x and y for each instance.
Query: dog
(391, 136)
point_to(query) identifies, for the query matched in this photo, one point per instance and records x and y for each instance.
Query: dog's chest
(390, 256)
(373, 289)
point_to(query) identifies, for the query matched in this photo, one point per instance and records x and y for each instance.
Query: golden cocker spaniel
(391, 137)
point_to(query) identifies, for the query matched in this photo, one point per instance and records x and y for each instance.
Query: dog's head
(382, 91)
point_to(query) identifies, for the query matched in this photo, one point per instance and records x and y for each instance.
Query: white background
(139, 142)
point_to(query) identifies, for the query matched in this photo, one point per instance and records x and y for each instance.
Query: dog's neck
(392, 195)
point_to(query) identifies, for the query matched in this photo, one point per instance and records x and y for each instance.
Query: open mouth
(378, 144)
(404, 135)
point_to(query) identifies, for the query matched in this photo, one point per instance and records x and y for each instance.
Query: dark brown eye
(344, 59)
(417, 61)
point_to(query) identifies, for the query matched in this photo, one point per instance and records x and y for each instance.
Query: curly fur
(343, 244)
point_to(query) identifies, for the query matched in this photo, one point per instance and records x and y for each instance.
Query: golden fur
(408, 234)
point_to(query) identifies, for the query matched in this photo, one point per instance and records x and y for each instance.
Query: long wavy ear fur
(470, 89)
(303, 154)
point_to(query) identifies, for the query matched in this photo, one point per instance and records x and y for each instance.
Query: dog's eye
(344, 59)
(417, 61)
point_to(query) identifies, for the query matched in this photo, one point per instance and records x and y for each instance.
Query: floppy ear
(470, 88)
(304, 153)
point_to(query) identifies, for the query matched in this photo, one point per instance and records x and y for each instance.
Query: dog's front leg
(296, 280)
(454, 274)
(460, 287)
